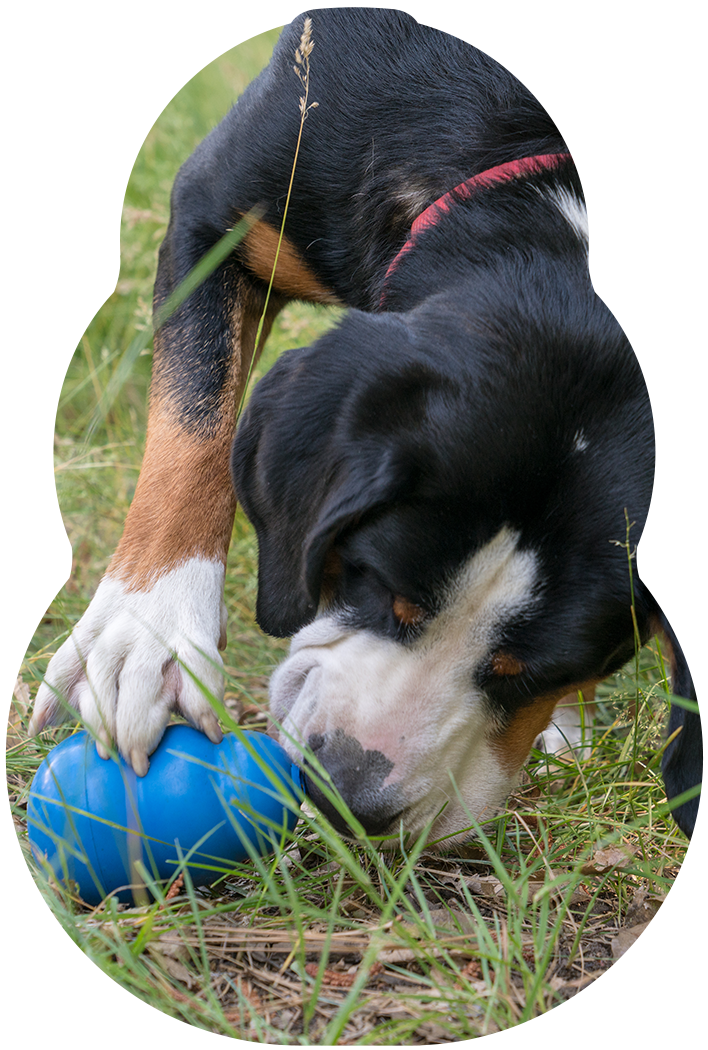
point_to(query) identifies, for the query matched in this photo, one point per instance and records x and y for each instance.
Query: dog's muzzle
(358, 776)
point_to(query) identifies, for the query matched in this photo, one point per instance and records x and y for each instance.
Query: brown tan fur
(505, 664)
(516, 740)
(184, 503)
(407, 612)
(293, 276)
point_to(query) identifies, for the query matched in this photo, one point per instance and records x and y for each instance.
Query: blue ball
(98, 824)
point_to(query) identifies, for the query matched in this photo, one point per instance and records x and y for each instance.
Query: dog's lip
(322, 633)
(314, 794)
(289, 686)
(415, 815)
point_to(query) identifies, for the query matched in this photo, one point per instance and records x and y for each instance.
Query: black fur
(407, 437)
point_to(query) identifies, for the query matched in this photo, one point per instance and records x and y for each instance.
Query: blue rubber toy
(99, 825)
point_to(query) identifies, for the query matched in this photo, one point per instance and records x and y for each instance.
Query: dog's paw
(569, 735)
(135, 656)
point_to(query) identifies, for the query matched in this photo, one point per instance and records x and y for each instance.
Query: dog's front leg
(149, 641)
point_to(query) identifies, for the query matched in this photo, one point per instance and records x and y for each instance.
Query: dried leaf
(333, 978)
(471, 971)
(397, 955)
(639, 944)
(605, 860)
(18, 710)
(487, 887)
(643, 908)
(171, 944)
(452, 921)
(578, 896)
(171, 966)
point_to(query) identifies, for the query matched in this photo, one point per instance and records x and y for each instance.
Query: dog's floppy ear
(364, 486)
(272, 479)
(302, 480)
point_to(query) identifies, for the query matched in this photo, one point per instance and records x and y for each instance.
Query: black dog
(445, 487)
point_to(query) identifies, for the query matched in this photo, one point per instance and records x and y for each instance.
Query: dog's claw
(211, 727)
(139, 761)
(102, 749)
(36, 725)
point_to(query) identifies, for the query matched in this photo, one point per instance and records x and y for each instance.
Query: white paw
(127, 663)
(569, 734)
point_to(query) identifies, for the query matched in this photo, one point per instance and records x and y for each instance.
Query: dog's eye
(506, 664)
(407, 613)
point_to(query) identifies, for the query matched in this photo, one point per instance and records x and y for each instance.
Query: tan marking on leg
(183, 507)
(184, 502)
(293, 276)
(515, 741)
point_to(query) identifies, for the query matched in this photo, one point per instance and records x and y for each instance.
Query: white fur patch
(569, 734)
(124, 668)
(580, 442)
(417, 704)
(600, 235)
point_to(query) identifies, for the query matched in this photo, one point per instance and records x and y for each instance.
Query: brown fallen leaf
(639, 944)
(340, 978)
(605, 860)
(452, 921)
(471, 971)
(398, 955)
(490, 886)
(172, 945)
(486, 887)
(172, 966)
(333, 978)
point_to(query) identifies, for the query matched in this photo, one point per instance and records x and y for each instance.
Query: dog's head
(441, 502)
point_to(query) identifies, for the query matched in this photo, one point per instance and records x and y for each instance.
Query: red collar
(513, 169)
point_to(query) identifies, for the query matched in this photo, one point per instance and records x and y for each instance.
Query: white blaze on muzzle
(403, 727)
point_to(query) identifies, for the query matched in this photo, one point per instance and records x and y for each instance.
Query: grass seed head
(302, 66)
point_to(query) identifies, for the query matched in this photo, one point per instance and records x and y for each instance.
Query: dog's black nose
(358, 776)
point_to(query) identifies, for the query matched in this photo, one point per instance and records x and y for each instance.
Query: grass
(326, 941)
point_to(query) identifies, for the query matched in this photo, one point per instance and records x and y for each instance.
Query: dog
(447, 487)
